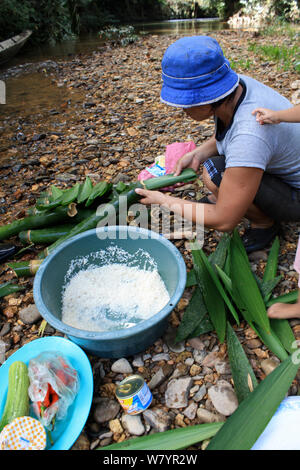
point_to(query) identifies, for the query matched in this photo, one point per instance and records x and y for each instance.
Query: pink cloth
(297, 261)
(173, 153)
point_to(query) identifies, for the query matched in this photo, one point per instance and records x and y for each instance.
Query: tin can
(134, 394)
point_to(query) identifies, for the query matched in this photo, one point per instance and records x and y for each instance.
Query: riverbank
(105, 120)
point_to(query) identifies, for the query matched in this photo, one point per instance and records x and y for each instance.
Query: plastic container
(49, 281)
(282, 432)
(66, 430)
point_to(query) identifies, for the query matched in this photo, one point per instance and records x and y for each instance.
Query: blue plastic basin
(49, 281)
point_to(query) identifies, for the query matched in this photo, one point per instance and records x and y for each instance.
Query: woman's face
(199, 113)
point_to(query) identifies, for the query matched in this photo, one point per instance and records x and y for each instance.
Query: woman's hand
(189, 160)
(150, 197)
(266, 116)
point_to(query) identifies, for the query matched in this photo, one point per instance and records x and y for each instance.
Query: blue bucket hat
(195, 72)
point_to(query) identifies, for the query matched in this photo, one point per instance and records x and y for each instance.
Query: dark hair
(229, 98)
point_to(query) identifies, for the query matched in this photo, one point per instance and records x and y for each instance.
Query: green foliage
(284, 55)
(119, 35)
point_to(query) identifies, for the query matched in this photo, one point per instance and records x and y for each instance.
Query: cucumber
(17, 401)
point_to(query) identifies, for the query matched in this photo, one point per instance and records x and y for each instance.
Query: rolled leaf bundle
(43, 219)
(25, 268)
(131, 196)
(44, 235)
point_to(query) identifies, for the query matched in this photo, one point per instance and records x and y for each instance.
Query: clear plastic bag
(53, 386)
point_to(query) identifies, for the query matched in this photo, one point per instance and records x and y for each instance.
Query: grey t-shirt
(273, 148)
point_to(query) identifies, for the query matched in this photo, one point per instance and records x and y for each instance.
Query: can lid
(129, 386)
(23, 433)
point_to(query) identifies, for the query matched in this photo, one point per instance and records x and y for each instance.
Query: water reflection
(193, 26)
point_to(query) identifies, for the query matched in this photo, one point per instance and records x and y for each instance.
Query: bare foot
(280, 310)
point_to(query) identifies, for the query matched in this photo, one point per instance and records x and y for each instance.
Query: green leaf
(219, 286)
(242, 429)
(98, 190)
(212, 298)
(55, 192)
(218, 257)
(69, 195)
(242, 372)
(174, 439)
(285, 334)
(85, 190)
(289, 298)
(272, 261)
(191, 278)
(9, 288)
(193, 315)
(271, 340)
(225, 279)
(205, 326)
(244, 286)
(268, 286)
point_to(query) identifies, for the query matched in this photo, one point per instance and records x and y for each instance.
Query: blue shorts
(274, 197)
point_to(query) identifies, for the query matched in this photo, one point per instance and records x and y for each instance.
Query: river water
(30, 94)
(89, 42)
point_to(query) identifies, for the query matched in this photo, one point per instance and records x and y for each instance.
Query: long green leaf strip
(242, 373)
(174, 439)
(212, 298)
(242, 429)
(244, 285)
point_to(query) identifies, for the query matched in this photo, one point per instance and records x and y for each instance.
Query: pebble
(29, 314)
(223, 398)
(138, 361)
(199, 356)
(161, 357)
(2, 351)
(82, 443)
(133, 424)
(106, 410)
(5, 329)
(223, 367)
(157, 379)
(122, 366)
(176, 395)
(158, 419)
(268, 365)
(115, 426)
(191, 411)
(200, 394)
(206, 416)
(170, 337)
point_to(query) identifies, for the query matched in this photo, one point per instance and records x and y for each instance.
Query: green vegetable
(17, 401)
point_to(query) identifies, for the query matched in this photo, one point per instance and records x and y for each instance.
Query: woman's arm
(236, 193)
